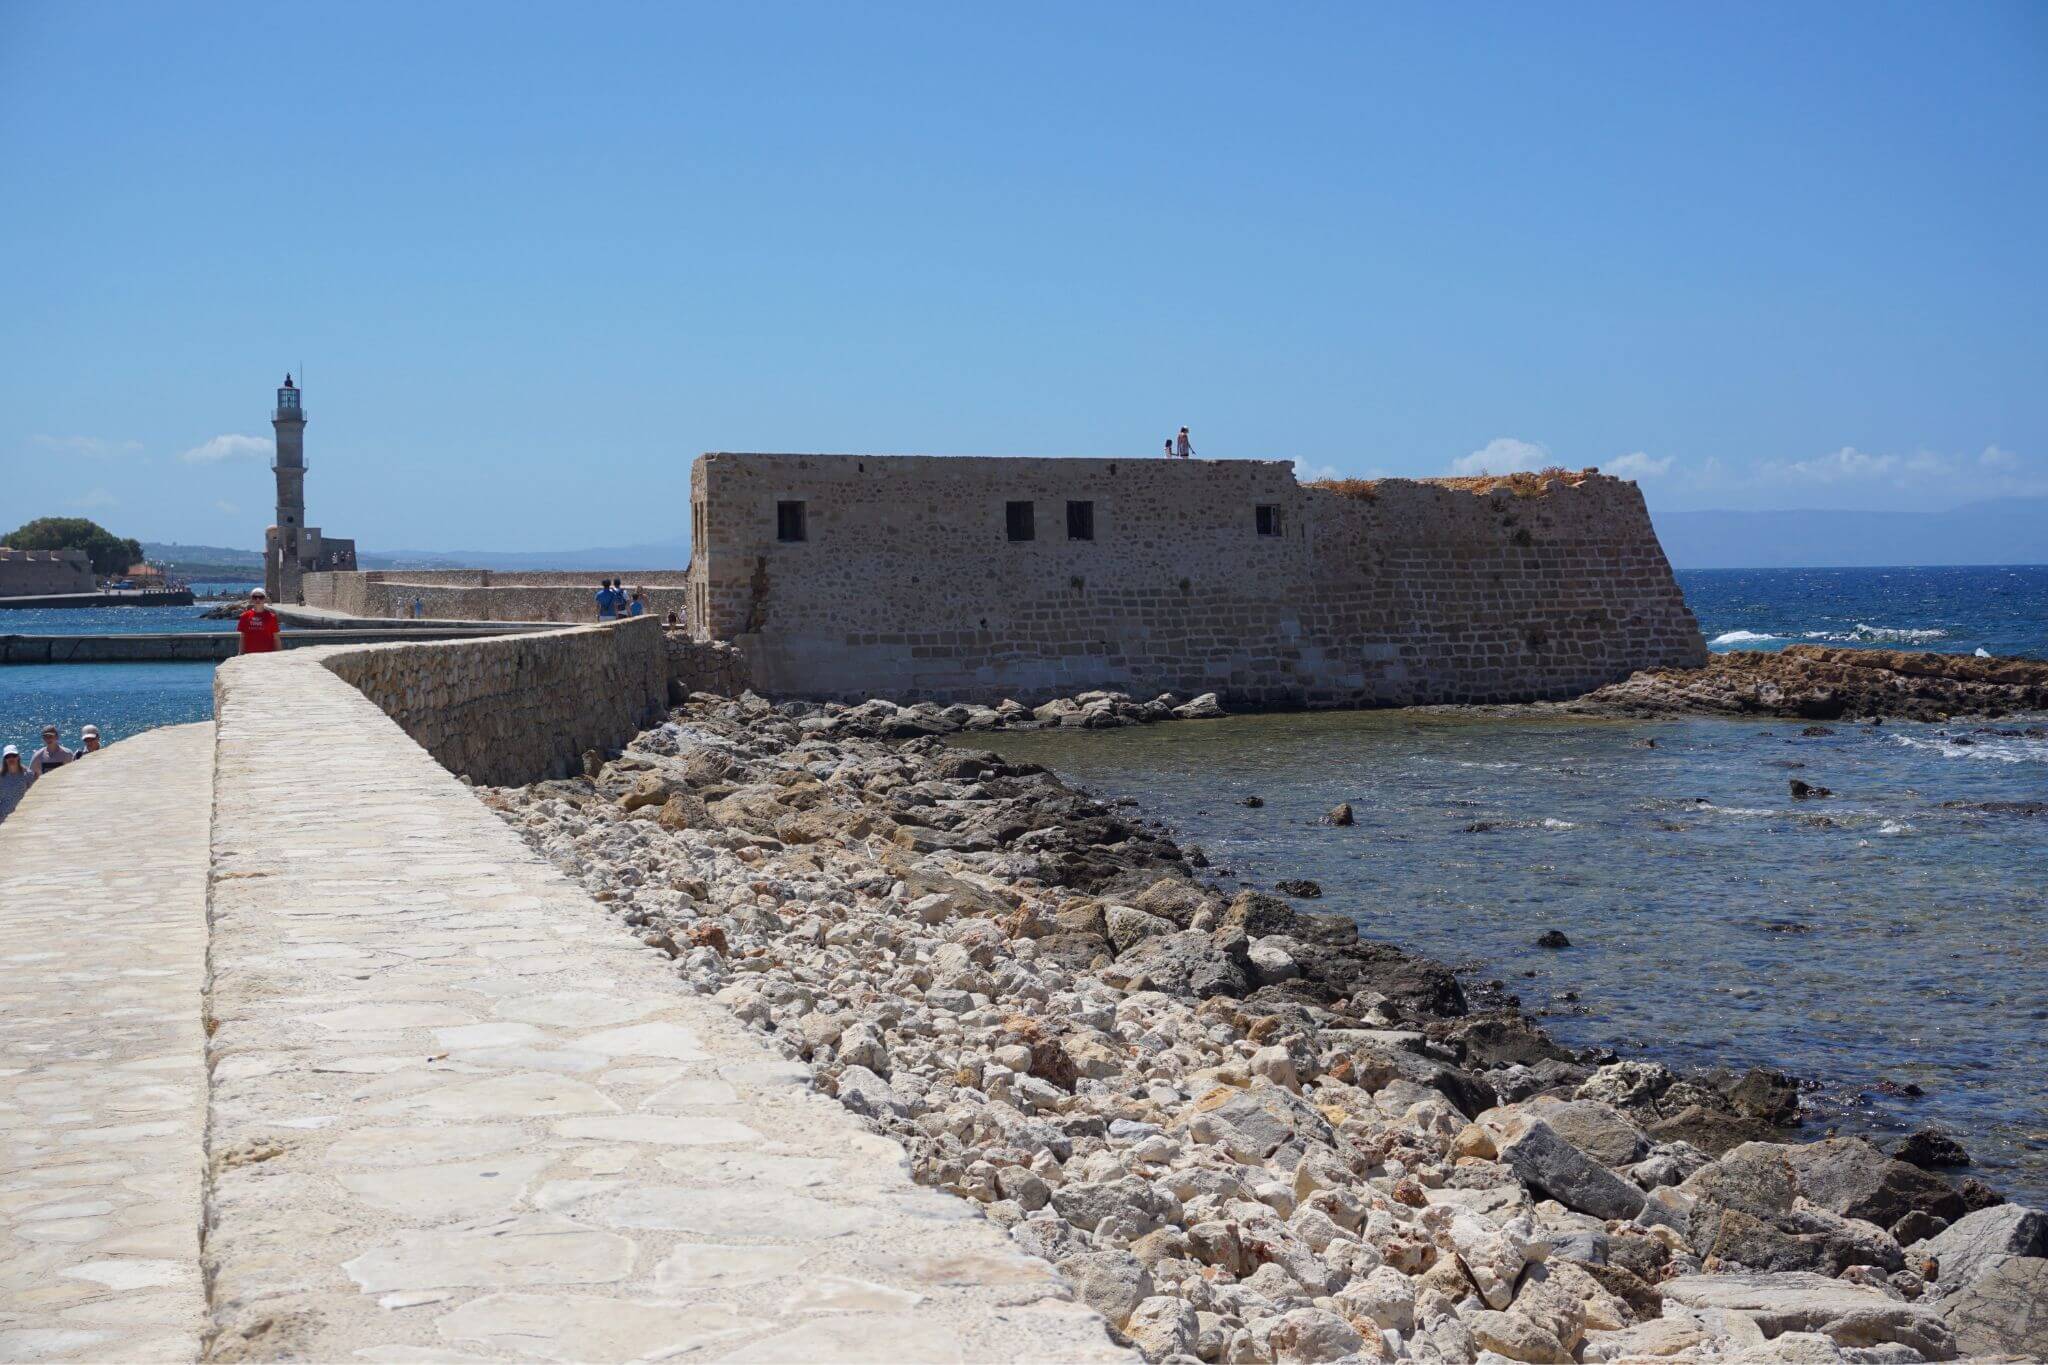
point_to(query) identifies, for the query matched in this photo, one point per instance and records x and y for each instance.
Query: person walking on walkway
(88, 741)
(15, 780)
(51, 755)
(419, 606)
(1181, 446)
(1169, 447)
(607, 600)
(638, 606)
(259, 625)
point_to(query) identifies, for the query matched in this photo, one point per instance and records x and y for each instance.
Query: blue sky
(537, 258)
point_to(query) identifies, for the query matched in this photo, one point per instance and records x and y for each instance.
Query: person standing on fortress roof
(88, 740)
(51, 755)
(1181, 446)
(638, 607)
(607, 600)
(15, 780)
(419, 606)
(1169, 447)
(259, 625)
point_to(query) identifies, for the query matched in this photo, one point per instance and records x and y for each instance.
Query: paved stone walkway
(102, 1083)
(459, 1114)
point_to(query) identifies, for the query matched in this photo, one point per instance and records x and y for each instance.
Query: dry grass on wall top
(1522, 483)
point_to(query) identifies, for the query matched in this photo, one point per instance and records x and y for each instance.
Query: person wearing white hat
(88, 741)
(15, 780)
(259, 625)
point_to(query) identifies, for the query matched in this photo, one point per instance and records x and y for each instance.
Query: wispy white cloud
(94, 498)
(92, 447)
(1502, 455)
(1308, 473)
(222, 505)
(1850, 466)
(229, 447)
(1638, 465)
(1994, 458)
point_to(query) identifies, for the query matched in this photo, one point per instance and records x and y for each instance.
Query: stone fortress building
(292, 549)
(45, 573)
(974, 579)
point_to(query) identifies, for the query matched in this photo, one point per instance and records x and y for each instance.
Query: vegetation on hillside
(111, 554)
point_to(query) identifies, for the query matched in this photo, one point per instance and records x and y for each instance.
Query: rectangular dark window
(789, 521)
(1267, 515)
(1017, 515)
(1080, 521)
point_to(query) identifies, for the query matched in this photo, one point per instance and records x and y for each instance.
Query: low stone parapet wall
(516, 708)
(480, 595)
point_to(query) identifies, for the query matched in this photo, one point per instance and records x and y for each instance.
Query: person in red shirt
(259, 625)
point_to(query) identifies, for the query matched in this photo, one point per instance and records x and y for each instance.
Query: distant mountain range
(2012, 531)
(2008, 531)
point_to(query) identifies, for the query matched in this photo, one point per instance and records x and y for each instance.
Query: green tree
(111, 554)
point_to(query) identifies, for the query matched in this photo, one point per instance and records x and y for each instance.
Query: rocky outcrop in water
(1241, 1132)
(1816, 683)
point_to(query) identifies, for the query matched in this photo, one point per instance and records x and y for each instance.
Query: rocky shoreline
(1809, 682)
(1242, 1132)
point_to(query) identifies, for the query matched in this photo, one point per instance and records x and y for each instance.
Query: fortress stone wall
(40, 573)
(515, 708)
(854, 576)
(486, 595)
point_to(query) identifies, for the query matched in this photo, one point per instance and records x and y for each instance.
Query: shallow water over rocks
(1891, 935)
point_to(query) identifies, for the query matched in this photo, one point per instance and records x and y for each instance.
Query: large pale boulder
(1803, 1302)
(1973, 1241)
(1850, 1177)
(2003, 1310)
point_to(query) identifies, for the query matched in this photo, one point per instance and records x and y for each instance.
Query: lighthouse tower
(285, 544)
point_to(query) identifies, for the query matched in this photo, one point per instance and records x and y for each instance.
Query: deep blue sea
(2000, 610)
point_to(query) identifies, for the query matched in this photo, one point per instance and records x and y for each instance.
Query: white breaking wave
(1741, 637)
(1894, 827)
(1983, 653)
(1999, 749)
(1879, 635)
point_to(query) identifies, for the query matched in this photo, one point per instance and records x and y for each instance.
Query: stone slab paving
(102, 1077)
(459, 1114)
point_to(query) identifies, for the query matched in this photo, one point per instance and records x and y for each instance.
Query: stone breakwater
(1817, 683)
(1241, 1132)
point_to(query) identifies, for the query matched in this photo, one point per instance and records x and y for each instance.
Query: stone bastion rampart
(972, 579)
(486, 594)
(40, 573)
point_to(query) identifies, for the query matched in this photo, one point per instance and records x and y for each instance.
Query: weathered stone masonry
(516, 708)
(854, 576)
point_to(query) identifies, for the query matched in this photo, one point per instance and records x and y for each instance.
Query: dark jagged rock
(1553, 938)
(1929, 1148)
(1814, 683)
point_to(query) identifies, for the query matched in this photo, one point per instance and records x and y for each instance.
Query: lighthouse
(281, 559)
(292, 549)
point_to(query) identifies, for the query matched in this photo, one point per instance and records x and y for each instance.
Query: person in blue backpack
(607, 601)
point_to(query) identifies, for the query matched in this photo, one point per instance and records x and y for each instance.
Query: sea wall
(30, 573)
(485, 595)
(516, 708)
(384, 954)
(905, 577)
